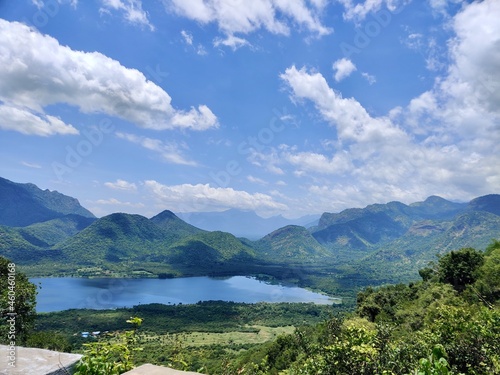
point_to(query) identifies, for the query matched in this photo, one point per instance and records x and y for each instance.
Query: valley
(344, 255)
(345, 251)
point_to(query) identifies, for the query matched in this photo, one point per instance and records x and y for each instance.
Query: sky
(288, 107)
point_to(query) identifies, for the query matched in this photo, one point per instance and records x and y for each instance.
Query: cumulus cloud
(237, 17)
(131, 9)
(26, 121)
(169, 151)
(343, 69)
(446, 141)
(319, 163)
(352, 121)
(36, 71)
(203, 197)
(121, 185)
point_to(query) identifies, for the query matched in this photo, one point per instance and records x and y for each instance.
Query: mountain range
(50, 233)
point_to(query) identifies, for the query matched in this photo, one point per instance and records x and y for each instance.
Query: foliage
(435, 364)
(112, 356)
(49, 340)
(459, 268)
(433, 327)
(488, 284)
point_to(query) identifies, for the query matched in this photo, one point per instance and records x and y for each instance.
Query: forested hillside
(448, 323)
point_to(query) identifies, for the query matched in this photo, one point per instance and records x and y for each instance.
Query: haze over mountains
(49, 233)
(244, 223)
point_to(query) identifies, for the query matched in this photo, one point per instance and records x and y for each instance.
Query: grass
(262, 334)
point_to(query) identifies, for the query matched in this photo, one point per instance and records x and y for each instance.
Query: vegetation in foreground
(448, 323)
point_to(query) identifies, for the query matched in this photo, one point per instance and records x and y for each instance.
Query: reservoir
(56, 294)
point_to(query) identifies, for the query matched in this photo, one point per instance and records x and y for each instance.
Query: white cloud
(311, 161)
(116, 202)
(476, 55)
(343, 69)
(256, 180)
(231, 41)
(31, 165)
(200, 50)
(359, 11)
(244, 17)
(370, 78)
(28, 122)
(121, 185)
(441, 6)
(41, 4)
(169, 151)
(203, 197)
(188, 38)
(36, 71)
(268, 162)
(132, 11)
(352, 121)
(446, 141)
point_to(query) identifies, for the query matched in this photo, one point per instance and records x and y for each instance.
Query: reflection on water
(77, 293)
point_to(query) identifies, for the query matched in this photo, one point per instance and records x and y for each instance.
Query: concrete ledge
(157, 370)
(33, 361)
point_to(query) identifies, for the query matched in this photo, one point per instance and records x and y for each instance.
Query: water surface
(64, 293)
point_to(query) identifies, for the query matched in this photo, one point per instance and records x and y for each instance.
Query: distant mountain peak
(489, 203)
(25, 204)
(165, 215)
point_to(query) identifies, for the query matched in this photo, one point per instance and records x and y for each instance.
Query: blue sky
(284, 107)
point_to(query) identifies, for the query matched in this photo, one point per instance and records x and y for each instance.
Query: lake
(64, 293)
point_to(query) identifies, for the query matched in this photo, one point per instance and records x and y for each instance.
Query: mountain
(291, 243)
(489, 203)
(376, 244)
(163, 243)
(168, 221)
(243, 223)
(436, 208)
(426, 239)
(356, 232)
(114, 238)
(25, 204)
(209, 253)
(51, 232)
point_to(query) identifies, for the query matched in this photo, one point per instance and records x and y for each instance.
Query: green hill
(164, 243)
(114, 238)
(209, 253)
(51, 232)
(376, 244)
(176, 227)
(424, 240)
(291, 243)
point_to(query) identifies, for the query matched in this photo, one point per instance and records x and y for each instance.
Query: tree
(488, 282)
(17, 304)
(460, 268)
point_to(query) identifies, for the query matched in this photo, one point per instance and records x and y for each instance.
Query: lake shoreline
(57, 294)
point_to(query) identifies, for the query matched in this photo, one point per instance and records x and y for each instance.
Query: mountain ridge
(380, 242)
(25, 204)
